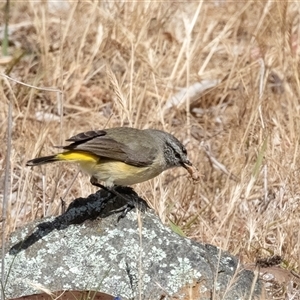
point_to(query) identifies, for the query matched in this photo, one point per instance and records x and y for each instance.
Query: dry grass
(119, 64)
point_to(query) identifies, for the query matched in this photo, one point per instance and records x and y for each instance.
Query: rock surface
(136, 257)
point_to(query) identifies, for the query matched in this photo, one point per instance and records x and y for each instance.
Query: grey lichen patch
(19, 235)
(149, 234)
(17, 276)
(183, 272)
(158, 253)
(227, 260)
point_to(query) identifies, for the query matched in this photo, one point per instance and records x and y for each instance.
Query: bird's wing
(104, 144)
(85, 136)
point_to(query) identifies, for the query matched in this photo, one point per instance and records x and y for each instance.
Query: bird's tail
(42, 160)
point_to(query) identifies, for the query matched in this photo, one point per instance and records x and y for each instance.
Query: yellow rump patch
(78, 156)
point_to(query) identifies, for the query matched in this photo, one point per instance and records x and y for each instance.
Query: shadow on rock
(101, 204)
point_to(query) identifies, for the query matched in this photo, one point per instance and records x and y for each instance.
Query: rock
(133, 257)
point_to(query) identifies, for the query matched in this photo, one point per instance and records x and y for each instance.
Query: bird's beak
(186, 164)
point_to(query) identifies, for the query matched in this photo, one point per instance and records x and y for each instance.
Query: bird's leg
(125, 209)
(95, 182)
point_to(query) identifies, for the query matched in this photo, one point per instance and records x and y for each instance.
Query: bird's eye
(177, 155)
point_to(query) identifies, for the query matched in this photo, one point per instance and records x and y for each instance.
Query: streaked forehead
(176, 145)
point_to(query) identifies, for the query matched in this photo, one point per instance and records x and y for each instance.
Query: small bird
(122, 155)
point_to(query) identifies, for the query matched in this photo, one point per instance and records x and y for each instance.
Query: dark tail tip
(41, 160)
